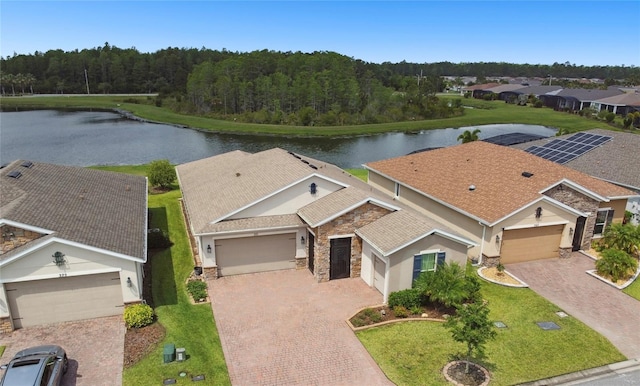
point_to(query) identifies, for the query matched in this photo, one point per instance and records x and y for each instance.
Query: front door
(577, 233)
(340, 258)
(311, 250)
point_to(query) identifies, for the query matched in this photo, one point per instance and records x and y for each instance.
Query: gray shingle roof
(587, 95)
(97, 208)
(255, 223)
(616, 160)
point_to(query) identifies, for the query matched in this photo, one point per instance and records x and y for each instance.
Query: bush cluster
(197, 289)
(408, 298)
(138, 315)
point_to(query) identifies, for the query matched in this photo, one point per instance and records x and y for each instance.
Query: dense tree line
(269, 86)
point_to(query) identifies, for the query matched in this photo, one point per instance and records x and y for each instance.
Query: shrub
(448, 285)
(358, 322)
(625, 237)
(400, 312)
(616, 264)
(161, 173)
(138, 315)
(610, 117)
(407, 298)
(197, 289)
(416, 310)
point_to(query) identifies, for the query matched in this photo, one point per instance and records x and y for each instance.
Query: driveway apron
(95, 348)
(283, 328)
(602, 307)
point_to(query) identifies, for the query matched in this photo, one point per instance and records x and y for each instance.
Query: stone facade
(13, 237)
(5, 325)
(581, 202)
(343, 225)
(210, 272)
(301, 262)
(565, 252)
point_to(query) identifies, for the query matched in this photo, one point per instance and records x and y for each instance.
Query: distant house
(577, 99)
(514, 205)
(73, 243)
(277, 210)
(621, 104)
(614, 161)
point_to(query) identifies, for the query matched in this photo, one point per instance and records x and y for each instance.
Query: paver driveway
(95, 348)
(282, 327)
(602, 307)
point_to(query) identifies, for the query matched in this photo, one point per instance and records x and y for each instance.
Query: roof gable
(101, 209)
(495, 172)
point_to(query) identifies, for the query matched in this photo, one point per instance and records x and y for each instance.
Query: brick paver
(95, 348)
(283, 328)
(602, 307)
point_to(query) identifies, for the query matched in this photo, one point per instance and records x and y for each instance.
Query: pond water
(85, 138)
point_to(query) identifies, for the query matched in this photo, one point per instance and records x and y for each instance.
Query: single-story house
(277, 210)
(613, 161)
(73, 243)
(514, 205)
(576, 99)
(621, 104)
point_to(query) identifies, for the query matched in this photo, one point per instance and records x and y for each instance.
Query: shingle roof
(506, 87)
(398, 229)
(587, 95)
(616, 160)
(626, 99)
(254, 223)
(495, 171)
(331, 205)
(97, 208)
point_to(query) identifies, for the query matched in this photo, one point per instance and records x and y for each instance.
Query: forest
(319, 88)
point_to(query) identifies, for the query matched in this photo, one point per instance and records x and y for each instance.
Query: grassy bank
(479, 113)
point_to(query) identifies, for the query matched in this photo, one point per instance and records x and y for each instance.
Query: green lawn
(414, 353)
(362, 174)
(189, 326)
(634, 289)
(483, 112)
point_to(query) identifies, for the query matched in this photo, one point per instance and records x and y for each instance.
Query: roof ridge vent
(27, 164)
(527, 174)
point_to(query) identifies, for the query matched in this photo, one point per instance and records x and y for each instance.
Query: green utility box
(169, 353)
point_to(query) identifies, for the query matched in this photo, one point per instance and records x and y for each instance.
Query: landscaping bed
(383, 314)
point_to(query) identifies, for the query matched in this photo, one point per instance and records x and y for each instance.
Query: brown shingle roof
(97, 208)
(495, 171)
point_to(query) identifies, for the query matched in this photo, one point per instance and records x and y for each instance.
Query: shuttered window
(427, 262)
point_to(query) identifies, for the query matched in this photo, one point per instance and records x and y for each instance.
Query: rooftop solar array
(512, 138)
(564, 150)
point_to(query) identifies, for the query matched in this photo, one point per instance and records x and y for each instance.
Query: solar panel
(564, 150)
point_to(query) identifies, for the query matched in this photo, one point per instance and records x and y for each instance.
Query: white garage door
(256, 254)
(64, 299)
(528, 244)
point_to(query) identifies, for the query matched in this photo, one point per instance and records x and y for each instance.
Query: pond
(85, 138)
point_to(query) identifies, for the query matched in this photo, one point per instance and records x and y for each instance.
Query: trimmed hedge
(138, 315)
(408, 298)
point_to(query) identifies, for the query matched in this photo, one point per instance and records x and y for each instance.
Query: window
(427, 261)
(603, 219)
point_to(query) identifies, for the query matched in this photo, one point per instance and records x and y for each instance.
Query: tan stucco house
(73, 243)
(514, 205)
(276, 210)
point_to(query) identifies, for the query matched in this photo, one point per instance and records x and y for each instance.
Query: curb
(594, 373)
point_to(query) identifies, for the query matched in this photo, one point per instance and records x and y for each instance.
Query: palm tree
(469, 136)
(30, 80)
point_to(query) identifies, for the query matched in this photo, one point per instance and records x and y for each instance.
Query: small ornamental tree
(161, 173)
(471, 326)
(616, 264)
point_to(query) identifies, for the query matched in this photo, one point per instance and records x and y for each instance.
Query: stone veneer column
(581, 202)
(5, 325)
(345, 224)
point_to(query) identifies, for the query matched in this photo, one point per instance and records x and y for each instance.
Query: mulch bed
(474, 377)
(381, 314)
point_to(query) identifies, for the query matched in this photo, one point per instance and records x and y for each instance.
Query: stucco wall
(382, 183)
(291, 199)
(39, 265)
(618, 206)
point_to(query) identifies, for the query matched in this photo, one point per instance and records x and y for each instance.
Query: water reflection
(104, 138)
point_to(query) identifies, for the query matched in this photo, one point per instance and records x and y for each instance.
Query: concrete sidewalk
(591, 375)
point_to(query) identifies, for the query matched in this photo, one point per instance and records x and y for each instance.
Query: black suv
(38, 366)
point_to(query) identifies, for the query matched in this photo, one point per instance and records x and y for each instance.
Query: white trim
(547, 199)
(15, 224)
(579, 188)
(311, 232)
(348, 235)
(56, 276)
(72, 244)
(254, 230)
(531, 226)
(255, 234)
(427, 251)
(349, 209)
(438, 232)
(275, 192)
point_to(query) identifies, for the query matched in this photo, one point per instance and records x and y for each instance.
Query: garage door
(256, 254)
(530, 244)
(64, 299)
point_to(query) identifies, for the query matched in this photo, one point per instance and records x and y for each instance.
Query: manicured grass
(483, 112)
(633, 290)
(362, 174)
(2, 350)
(414, 353)
(189, 326)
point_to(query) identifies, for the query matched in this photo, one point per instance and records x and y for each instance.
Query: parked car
(38, 366)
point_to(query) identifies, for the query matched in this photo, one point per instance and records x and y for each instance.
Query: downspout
(484, 230)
